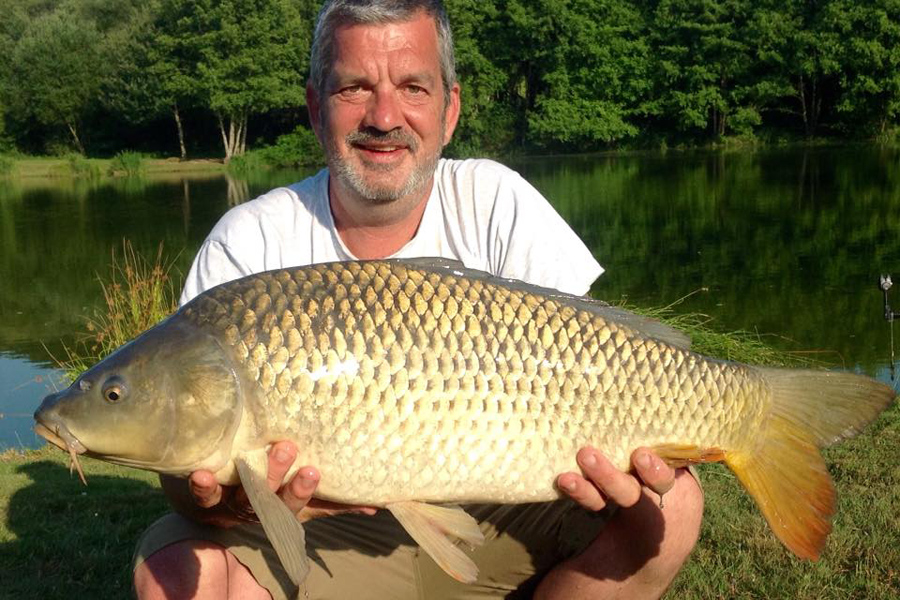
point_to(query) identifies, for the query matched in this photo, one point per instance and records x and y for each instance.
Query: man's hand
(226, 506)
(601, 482)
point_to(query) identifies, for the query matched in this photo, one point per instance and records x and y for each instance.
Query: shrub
(132, 163)
(7, 164)
(247, 163)
(80, 166)
(300, 148)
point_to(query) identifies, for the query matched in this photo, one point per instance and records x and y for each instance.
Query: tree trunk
(224, 139)
(801, 94)
(180, 131)
(75, 138)
(810, 104)
(235, 141)
(815, 108)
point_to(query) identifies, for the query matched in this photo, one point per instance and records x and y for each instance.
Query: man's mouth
(380, 149)
(374, 145)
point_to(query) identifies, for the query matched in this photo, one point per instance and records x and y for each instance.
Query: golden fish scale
(401, 383)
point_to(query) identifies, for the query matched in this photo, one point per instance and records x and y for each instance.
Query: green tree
(58, 69)
(486, 122)
(158, 72)
(870, 59)
(594, 79)
(704, 58)
(798, 44)
(254, 59)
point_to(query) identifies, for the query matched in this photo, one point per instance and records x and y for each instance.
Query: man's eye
(351, 90)
(415, 90)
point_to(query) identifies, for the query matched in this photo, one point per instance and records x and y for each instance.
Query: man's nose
(383, 111)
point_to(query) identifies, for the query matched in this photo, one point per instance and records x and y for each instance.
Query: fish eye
(113, 393)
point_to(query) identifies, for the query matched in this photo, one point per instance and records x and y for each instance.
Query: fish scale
(501, 380)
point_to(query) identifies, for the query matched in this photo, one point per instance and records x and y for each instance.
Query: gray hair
(338, 13)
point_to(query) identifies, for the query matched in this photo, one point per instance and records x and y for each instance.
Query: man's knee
(194, 569)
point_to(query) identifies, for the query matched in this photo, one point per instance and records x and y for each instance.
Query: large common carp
(410, 383)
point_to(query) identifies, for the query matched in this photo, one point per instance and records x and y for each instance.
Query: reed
(138, 292)
(129, 162)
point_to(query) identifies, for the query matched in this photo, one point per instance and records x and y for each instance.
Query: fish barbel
(410, 383)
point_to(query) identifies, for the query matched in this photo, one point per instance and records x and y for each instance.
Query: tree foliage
(536, 75)
(57, 68)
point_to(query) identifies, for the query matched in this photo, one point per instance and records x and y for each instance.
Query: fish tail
(782, 467)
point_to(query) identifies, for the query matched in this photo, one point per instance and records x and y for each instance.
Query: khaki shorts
(361, 556)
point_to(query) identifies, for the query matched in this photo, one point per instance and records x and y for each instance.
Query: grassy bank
(50, 167)
(60, 539)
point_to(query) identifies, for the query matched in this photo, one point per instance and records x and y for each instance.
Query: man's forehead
(418, 33)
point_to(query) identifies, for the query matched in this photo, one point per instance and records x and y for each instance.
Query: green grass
(739, 346)
(82, 167)
(43, 167)
(61, 539)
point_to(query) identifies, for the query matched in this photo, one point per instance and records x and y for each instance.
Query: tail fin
(783, 469)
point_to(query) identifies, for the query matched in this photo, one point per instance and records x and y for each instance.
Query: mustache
(394, 136)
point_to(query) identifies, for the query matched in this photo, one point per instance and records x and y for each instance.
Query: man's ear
(314, 108)
(451, 114)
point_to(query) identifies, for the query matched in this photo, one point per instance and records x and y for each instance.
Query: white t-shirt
(479, 212)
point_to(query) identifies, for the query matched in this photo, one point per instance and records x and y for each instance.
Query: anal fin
(682, 455)
(430, 526)
(280, 524)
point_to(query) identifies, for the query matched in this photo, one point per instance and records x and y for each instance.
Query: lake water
(788, 243)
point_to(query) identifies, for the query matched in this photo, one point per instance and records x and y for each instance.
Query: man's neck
(372, 232)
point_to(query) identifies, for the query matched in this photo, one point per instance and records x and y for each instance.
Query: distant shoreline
(52, 167)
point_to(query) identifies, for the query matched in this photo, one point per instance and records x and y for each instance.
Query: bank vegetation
(187, 78)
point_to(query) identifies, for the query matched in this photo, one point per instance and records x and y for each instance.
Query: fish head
(167, 401)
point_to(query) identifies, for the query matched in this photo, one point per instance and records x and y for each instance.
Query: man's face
(382, 118)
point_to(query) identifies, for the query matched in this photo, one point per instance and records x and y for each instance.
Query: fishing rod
(885, 284)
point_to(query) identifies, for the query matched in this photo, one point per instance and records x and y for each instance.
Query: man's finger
(581, 491)
(281, 457)
(653, 471)
(205, 489)
(299, 490)
(616, 485)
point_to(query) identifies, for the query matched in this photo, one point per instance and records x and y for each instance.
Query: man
(384, 100)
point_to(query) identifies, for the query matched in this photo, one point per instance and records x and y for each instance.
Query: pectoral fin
(280, 524)
(429, 526)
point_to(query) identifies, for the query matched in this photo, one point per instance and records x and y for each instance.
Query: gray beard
(344, 171)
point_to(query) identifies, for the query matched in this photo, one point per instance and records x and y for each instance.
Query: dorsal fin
(640, 324)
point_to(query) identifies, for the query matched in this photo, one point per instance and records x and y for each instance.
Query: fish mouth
(61, 437)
